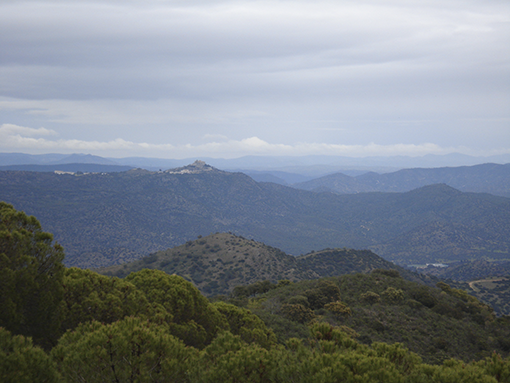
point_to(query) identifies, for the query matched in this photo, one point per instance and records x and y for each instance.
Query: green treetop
(31, 273)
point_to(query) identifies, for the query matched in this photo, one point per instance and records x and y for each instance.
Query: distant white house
(62, 172)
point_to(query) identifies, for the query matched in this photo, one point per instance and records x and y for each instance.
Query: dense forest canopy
(156, 327)
(31, 276)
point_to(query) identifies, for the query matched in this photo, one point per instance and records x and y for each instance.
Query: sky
(224, 79)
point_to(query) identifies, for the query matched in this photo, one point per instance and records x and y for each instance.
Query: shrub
(297, 313)
(370, 297)
(393, 295)
(389, 273)
(423, 295)
(338, 309)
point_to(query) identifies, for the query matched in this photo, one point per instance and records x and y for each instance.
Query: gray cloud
(288, 72)
(37, 141)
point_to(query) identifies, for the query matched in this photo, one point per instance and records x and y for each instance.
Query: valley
(111, 218)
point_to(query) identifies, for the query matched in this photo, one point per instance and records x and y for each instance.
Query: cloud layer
(265, 76)
(36, 141)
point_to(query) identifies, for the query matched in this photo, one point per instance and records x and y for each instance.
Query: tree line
(62, 324)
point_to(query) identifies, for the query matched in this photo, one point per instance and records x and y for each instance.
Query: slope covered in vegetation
(155, 327)
(219, 262)
(488, 281)
(437, 323)
(106, 219)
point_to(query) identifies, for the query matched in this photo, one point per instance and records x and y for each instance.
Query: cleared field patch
(494, 291)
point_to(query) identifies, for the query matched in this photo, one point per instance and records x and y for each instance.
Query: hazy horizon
(226, 79)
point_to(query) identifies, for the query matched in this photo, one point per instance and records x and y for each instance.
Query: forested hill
(105, 219)
(219, 262)
(438, 323)
(484, 178)
(61, 324)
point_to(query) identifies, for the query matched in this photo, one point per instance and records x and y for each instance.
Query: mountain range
(311, 166)
(317, 173)
(111, 218)
(484, 178)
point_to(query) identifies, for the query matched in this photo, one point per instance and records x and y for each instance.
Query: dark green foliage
(150, 294)
(253, 289)
(333, 357)
(31, 273)
(338, 309)
(392, 295)
(22, 362)
(297, 313)
(194, 319)
(228, 359)
(145, 348)
(479, 311)
(370, 297)
(248, 326)
(435, 324)
(155, 327)
(423, 295)
(496, 368)
(324, 293)
(298, 300)
(334, 262)
(282, 327)
(388, 272)
(90, 296)
(130, 350)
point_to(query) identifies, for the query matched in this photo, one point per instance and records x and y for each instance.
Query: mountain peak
(437, 188)
(196, 167)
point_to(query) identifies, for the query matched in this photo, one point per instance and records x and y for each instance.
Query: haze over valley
(110, 218)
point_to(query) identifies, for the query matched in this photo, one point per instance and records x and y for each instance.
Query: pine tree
(31, 273)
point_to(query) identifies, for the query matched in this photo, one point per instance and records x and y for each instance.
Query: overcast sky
(178, 79)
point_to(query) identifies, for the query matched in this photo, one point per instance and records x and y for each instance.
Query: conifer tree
(31, 273)
(129, 350)
(22, 362)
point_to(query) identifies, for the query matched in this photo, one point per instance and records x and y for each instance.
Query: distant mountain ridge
(112, 218)
(85, 163)
(484, 178)
(74, 168)
(308, 165)
(7, 159)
